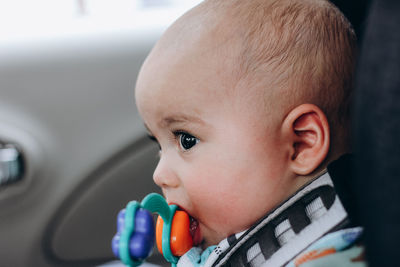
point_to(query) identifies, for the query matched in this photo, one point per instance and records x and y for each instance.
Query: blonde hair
(308, 46)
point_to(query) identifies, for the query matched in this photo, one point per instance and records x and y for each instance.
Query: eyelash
(178, 138)
(182, 134)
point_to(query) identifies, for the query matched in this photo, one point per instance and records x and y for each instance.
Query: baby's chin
(209, 239)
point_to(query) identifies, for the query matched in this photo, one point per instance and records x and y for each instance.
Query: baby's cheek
(214, 210)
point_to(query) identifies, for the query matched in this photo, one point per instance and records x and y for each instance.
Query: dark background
(376, 126)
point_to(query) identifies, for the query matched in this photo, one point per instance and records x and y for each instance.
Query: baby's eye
(186, 141)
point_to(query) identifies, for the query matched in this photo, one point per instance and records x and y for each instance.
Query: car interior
(74, 151)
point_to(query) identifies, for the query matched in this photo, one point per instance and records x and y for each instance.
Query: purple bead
(117, 236)
(142, 240)
(115, 245)
(121, 220)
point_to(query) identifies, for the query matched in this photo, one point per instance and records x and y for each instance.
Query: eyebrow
(167, 121)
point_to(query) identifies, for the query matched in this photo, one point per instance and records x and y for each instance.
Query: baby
(249, 102)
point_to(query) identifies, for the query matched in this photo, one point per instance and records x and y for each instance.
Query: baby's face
(220, 157)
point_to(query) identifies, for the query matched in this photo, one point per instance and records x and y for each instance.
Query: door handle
(11, 164)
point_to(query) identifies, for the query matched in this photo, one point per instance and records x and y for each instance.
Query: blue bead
(115, 245)
(117, 236)
(121, 221)
(142, 240)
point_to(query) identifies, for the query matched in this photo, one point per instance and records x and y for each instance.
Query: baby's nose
(164, 176)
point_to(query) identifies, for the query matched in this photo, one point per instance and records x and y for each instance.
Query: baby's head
(248, 100)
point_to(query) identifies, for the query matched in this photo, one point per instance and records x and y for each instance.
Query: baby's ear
(306, 128)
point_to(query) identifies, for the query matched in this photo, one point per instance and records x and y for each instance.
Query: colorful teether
(135, 236)
(142, 239)
(181, 240)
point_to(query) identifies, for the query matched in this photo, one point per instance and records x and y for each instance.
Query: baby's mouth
(194, 230)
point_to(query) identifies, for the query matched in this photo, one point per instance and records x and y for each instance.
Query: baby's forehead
(203, 54)
(214, 40)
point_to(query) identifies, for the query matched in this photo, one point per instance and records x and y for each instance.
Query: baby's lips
(181, 238)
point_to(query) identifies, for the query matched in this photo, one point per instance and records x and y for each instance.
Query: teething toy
(181, 240)
(134, 239)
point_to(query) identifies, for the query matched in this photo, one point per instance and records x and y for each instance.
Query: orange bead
(159, 227)
(181, 240)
